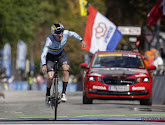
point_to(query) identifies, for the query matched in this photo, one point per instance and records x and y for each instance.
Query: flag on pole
(21, 55)
(156, 12)
(100, 34)
(83, 8)
(7, 59)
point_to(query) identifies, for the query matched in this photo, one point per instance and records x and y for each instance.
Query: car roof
(118, 52)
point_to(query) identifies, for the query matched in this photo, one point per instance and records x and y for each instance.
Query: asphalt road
(29, 107)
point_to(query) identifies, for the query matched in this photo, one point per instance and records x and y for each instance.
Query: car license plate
(119, 88)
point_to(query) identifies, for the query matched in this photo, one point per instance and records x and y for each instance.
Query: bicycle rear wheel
(56, 97)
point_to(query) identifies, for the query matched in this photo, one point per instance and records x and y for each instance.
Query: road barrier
(158, 89)
(24, 85)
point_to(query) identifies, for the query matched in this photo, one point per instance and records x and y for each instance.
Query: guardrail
(158, 89)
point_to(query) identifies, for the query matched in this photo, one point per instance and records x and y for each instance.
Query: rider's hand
(83, 44)
(44, 69)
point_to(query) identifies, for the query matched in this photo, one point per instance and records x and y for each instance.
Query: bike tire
(56, 98)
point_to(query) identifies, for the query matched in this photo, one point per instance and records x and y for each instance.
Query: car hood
(113, 72)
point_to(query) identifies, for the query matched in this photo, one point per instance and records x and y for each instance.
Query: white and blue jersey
(54, 47)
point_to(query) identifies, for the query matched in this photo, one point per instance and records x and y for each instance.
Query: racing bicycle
(55, 98)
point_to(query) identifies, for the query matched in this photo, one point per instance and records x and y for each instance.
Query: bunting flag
(83, 8)
(100, 34)
(156, 12)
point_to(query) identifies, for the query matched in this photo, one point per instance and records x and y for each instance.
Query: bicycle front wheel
(56, 98)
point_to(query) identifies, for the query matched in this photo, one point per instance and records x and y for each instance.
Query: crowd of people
(153, 57)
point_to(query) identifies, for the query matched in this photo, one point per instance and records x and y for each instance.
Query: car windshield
(118, 60)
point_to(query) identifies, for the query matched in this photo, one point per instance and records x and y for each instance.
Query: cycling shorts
(61, 58)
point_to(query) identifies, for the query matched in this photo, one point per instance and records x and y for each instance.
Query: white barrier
(158, 89)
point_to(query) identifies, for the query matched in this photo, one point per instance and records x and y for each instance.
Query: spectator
(34, 80)
(148, 58)
(162, 52)
(40, 81)
(153, 50)
(157, 60)
(30, 81)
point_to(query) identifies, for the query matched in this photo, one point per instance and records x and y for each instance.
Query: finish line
(83, 119)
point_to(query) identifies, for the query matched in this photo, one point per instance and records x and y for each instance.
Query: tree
(19, 19)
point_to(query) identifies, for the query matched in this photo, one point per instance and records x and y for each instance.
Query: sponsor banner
(21, 55)
(130, 30)
(99, 87)
(138, 88)
(141, 75)
(70, 87)
(83, 8)
(24, 85)
(18, 85)
(6, 61)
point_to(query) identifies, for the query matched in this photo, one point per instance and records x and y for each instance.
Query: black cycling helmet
(57, 28)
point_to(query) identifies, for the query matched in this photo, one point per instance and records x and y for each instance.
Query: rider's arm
(45, 51)
(74, 35)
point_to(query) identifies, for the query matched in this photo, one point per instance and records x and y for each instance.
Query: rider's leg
(65, 77)
(49, 82)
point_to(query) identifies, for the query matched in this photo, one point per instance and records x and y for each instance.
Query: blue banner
(21, 55)
(7, 59)
(31, 63)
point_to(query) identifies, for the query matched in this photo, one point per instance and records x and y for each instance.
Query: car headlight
(146, 80)
(91, 78)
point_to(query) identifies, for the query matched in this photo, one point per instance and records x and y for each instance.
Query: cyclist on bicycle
(54, 51)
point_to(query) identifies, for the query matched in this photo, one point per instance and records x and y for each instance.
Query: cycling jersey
(54, 47)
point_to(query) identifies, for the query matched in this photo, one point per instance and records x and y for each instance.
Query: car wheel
(146, 102)
(87, 100)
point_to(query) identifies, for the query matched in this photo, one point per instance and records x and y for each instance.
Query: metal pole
(157, 35)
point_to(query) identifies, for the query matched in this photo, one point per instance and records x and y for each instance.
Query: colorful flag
(21, 55)
(100, 34)
(156, 12)
(7, 59)
(83, 8)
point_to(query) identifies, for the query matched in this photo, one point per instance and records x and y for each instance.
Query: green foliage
(18, 20)
(30, 21)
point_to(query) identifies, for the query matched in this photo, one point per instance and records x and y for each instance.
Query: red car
(117, 75)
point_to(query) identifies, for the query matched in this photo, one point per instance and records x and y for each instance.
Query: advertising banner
(7, 59)
(21, 55)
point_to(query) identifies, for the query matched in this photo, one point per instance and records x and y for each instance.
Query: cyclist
(54, 51)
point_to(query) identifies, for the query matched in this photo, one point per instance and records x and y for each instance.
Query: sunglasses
(60, 31)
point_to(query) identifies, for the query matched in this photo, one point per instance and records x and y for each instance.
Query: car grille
(131, 93)
(113, 81)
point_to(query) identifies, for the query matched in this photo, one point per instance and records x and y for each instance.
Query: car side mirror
(84, 66)
(152, 67)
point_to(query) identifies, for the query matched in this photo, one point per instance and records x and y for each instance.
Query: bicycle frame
(55, 95)
(55, 98)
